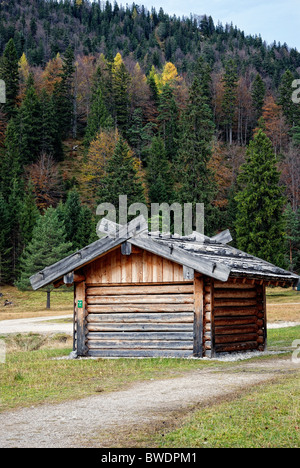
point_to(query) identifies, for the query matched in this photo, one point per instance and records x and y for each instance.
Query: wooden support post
(80, 305)
(265, 317)
(198, 316)
(213, 331)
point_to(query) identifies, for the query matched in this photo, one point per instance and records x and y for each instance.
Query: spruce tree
(260, 224)
(50, 141)
(30, 125)
(64, 95)
(122, 178)
(195, 179)
(258, 96)
(159, 179)
(48, 246)
(229, 99)
(290, 109)
(120, 85)
(98, 118)
(72, 212)
(168, 118)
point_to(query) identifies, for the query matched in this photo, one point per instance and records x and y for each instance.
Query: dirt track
(86, 422)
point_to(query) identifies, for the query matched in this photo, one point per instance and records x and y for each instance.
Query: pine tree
(98, 118)
(195, 179)
(30, 125)
(260, 225)
(159, 180)
(9, 73)
(290, 109)
(72, 212)
(168, 117)
(258, 96)
(28, 215)
(229, 100)
(50, 141)
(120, 84)
(122, 178)
(48, 246)
(64, 95)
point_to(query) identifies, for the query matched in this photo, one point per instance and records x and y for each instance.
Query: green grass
(34, 374)
(266, 417)
(280, 339)
(32, 377)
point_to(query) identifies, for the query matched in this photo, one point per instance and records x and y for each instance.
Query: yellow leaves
(51, 74)
(94, 169)
(169, 75)
(117, 62)
(24, 69)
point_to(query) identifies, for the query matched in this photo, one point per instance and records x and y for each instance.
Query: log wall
(136, 304)
(140, 321)
(234, 317)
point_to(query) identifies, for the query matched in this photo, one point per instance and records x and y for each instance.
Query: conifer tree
(72, 211)
(30, 125)
(9, 73)
(159, 180)
(120, 84)
(64, 95)
(50, 141)
(48, 246)
(194, 177)
(98, 118)
(260, 224)
(28, 215)
(258, 96)
(168, 117)
(122, 178)
(229, 100)
(290, 109)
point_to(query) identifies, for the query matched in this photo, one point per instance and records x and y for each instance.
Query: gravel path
(37, 325)
(79, 423)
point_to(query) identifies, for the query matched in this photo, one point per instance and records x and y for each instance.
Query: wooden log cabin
(140, 294)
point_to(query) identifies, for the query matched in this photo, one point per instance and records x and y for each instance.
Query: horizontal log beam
(119, 290)
(140, 327)
(141, 299)
(185, 317)
(137, 353)
(140, 308)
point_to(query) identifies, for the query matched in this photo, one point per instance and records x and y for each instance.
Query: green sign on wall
(80, 304)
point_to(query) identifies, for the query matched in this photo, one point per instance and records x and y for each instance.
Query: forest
(104, 100)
